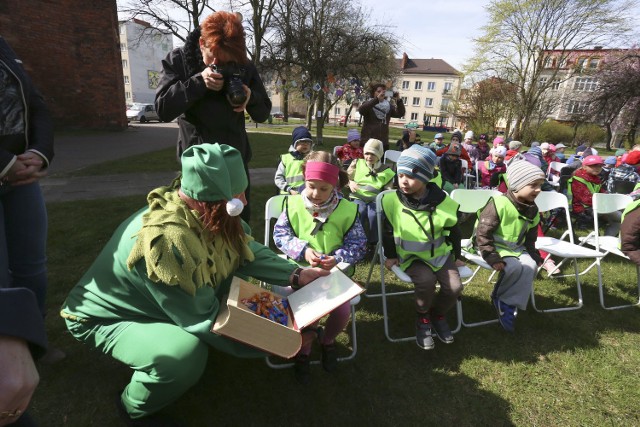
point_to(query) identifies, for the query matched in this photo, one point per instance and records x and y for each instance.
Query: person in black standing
(202, 84)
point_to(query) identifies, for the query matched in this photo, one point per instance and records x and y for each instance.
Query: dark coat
(372, 126)
(206, 116)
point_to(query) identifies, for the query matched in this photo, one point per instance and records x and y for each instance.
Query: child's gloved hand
(498, 266)
(390, 262)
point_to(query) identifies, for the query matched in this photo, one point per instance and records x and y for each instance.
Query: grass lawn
(575, 368)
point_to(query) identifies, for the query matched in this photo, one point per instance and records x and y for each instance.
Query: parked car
(142, 113)
(412, 125)
(278, 115)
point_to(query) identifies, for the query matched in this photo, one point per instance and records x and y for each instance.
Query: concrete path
(74, 152)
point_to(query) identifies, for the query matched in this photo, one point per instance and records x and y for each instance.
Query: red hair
(223, 34)
(216, 219)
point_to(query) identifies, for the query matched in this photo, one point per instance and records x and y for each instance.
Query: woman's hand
(241, 108)
(26, 169)
(308, 275)
(213, 80)
(18, 378)
(498, 266)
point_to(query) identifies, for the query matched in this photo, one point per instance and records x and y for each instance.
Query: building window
(447, 88)
(416, 101)
(542, 81)
(123, 46)
(555, 85)
(577, 107)
(336, 111)
(126, 80)
(445, 104)
(585, 84)
(418, 86)
(593, 63)
(414, 116)
(404, 100)
(125, 63)
(580, 63)
(431, 86)
(405, 84)
(127, 95)
(428, 102)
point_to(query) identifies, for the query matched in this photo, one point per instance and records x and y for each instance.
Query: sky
(441, 29)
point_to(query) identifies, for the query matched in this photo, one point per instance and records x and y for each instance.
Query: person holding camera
(376, 113)
(208, 84)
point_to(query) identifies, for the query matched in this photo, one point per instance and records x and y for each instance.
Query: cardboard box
(307, 305)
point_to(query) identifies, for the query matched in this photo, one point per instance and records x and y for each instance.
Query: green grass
(573, 368)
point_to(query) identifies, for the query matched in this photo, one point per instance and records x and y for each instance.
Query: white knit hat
(522, 173)
(375, 147)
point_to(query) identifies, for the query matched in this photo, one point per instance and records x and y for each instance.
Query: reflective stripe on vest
(369, 186)
(292, 171)
(510, 235)
(330, 235)
(421, 234)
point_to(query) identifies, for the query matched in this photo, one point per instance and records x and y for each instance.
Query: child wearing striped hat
(421, 237)
(505, 237)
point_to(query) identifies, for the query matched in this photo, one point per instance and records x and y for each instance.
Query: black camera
(232, 75)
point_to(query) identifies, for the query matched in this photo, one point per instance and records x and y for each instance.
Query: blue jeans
(368, 219)
(23, 240)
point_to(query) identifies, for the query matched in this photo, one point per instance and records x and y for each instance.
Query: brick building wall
(70, 48)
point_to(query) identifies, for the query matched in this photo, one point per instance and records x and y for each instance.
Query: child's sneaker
(442, 329)
(551, 268)
(329, 357)
(424, 337)
(506, 314)
(302, 369)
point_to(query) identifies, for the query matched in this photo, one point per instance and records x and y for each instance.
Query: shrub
(554, 133)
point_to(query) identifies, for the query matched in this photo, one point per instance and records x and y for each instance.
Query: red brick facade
(71, 50)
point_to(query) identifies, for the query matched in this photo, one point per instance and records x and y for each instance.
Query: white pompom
(235, 207)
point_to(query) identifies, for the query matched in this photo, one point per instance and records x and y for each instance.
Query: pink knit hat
(498, 140)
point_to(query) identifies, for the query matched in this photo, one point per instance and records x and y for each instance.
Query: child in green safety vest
(367, 178)
(505, 237)
(320, 228)
(421, 236)
(581, 187)
(289, 178)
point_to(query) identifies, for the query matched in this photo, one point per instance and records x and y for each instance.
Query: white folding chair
(465, 172)
(272, 210)
(546, 201)
(391, 156)
(603, 204)
(379, 255)
(553, 173)
(335, 150)
(471, 201)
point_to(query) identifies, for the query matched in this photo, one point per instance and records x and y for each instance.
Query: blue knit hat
(352, 135)
(417, 162)
(536, 151)
(301, 133)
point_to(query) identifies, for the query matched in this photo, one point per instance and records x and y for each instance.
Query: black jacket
(39, 127)
(205, 116)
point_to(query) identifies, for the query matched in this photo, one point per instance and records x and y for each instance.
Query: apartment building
(573, 82)
(142, 49)
(427, 88)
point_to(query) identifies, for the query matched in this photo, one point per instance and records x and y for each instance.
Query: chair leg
(601, 289)
(378, 256)
(552, 310)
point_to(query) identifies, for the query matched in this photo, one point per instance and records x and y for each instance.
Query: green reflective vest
(629, 208)
(327, 237)
(509, 237)
(292, 171)
(421, 235)
(593, 188)
(369, 186)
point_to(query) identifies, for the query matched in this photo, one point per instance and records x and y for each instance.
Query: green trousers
(166, 360)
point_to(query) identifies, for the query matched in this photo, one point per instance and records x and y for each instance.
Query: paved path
(74, 152)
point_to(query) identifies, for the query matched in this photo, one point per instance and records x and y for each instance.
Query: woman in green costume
(151, 297)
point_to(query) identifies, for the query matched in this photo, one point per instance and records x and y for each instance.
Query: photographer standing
(202, 84)
(376, 113)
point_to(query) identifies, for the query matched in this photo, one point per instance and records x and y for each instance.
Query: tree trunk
(285, 102)
(609, 136)
(320, 117)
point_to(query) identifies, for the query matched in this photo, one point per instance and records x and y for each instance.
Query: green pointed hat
(212, 172)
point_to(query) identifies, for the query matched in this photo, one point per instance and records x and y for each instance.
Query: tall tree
(486, 103)
(519, 32)
(179, 17)
(617, 96)
(325, 45)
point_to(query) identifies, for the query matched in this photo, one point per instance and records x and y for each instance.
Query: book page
(319, 297)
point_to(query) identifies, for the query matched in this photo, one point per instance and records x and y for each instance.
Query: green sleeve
(268, 266)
